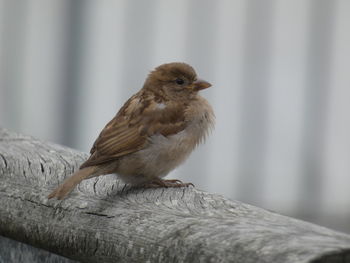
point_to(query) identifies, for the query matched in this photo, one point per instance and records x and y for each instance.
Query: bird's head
(175, 81)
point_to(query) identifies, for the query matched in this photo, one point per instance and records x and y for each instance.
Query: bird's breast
(165, 153)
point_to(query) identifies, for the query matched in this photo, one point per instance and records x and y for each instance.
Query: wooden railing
(104, 221)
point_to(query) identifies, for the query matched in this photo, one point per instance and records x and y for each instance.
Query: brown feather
(144, 141)
(68, 185)
(137, 120)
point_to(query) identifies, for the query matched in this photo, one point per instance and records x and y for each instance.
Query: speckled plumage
(154, 132)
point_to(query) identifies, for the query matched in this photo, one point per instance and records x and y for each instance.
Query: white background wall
(281, 75)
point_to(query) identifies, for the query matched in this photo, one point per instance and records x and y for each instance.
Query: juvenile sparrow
(154, 132)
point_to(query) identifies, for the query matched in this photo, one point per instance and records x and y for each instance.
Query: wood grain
(104, 221)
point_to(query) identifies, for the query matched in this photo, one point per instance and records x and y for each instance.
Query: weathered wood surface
(12, 251)
(104, 222)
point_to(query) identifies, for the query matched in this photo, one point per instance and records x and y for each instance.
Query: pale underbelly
(162, 155)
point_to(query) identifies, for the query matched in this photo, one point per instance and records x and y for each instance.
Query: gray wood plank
(104, 221)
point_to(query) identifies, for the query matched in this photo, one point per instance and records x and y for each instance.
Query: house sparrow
(154, 132)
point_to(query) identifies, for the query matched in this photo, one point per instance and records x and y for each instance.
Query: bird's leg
(176, 183)
(157, 183)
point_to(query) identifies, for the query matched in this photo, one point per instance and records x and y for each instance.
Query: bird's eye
(179, 81)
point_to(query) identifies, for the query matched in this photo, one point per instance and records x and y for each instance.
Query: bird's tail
(71, 182)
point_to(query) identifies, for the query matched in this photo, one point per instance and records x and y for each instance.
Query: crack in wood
(4, 160)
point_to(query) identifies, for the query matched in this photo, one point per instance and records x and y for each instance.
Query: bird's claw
(158, 183)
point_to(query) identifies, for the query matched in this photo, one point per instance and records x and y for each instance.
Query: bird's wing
(130, 129)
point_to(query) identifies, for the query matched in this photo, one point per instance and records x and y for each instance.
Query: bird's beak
(200, 84)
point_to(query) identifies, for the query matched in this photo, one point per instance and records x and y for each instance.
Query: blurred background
(281, 87)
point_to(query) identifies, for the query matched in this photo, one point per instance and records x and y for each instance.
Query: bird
(152, 133)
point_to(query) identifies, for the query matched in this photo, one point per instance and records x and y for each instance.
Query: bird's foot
(158, 183)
